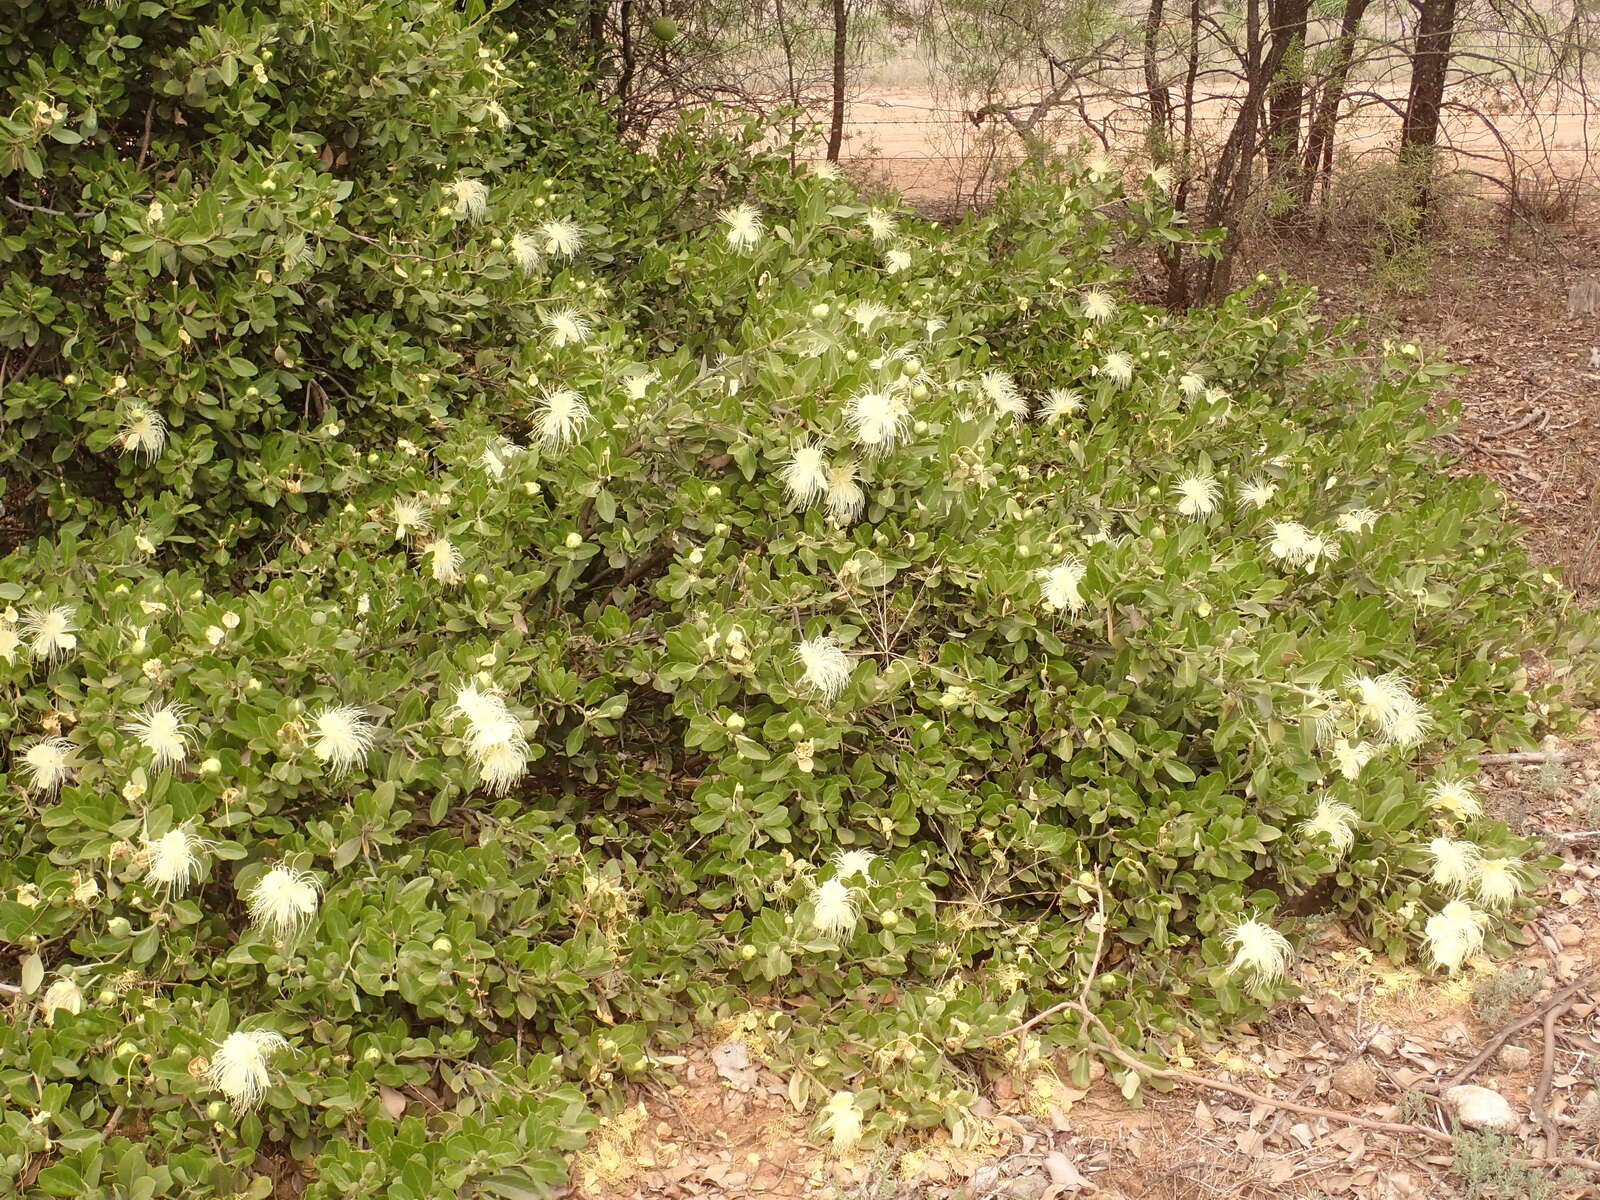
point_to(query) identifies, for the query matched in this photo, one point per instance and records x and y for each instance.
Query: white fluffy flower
(1456, 797)
(834, 909)
(1455, 864)
(1334, 821)
(61, 996)
(51, 631)
(879, 419)
(410, 516)
(1191, 384)
(1294, 545)
(1352, 758)
(1002, 392)
(562, 416)
(867, 313)
(826, 667)
(49, 763)
(1098, 305)
(343, 736)
(525, 252)
(744, 225)
(895, 261)
(1259, 951)
(1357, 520)
(161, 730)
(471, 197)
(1258, 494)
(1386, 701)
(143, 432)
(10, 642)
(172, 859)
(1160, 178)
(239, 1066)
(567, 327)
(846, 499)
(1500, 881)
(494, 737)
(879, 224)
(1455, 934)
(493, 458)
(478, 706)
(1061, 402)
(562, 238)
(849, 863)
(1118, 367)
(1060, 583)
(444, 561)
(824, 169)
(1197, 494)
(842, 1121)
(636, 384)
(501, 763)
(283, 901)
(805, 476)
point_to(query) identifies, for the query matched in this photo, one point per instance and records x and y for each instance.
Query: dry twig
(1111, 1045)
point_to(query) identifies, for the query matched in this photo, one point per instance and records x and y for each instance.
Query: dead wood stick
(1492, 1046)
(1575, 839)
(1113, 1047)
(1110, 1044)
(1552, 1140)
(1533, 415)
(1530, 756)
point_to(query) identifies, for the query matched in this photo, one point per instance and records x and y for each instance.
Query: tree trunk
(1430, 64)
(841, 21)
(1285, 98)
(1173, 257)
(1318, 161)
(1230, 180)
(625, 80)
(793, 94)
(1160, 136)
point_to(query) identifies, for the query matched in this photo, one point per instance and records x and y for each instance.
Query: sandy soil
(926, 147)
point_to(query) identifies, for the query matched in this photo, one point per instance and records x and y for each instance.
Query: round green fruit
(664, 29)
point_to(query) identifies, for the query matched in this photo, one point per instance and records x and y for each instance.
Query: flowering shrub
(746, 606)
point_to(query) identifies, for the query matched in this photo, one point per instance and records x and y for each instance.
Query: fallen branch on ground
(1578, 838)
(1530, 756)
(1112, 1046)
(1502, 1036)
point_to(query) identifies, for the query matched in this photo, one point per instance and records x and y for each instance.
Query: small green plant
(1553, 776)
(1591, 805)
(1414, 1106)
(1494, 998)
(1487, 1165)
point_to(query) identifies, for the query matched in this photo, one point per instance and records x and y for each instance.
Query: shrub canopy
(497, 602)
